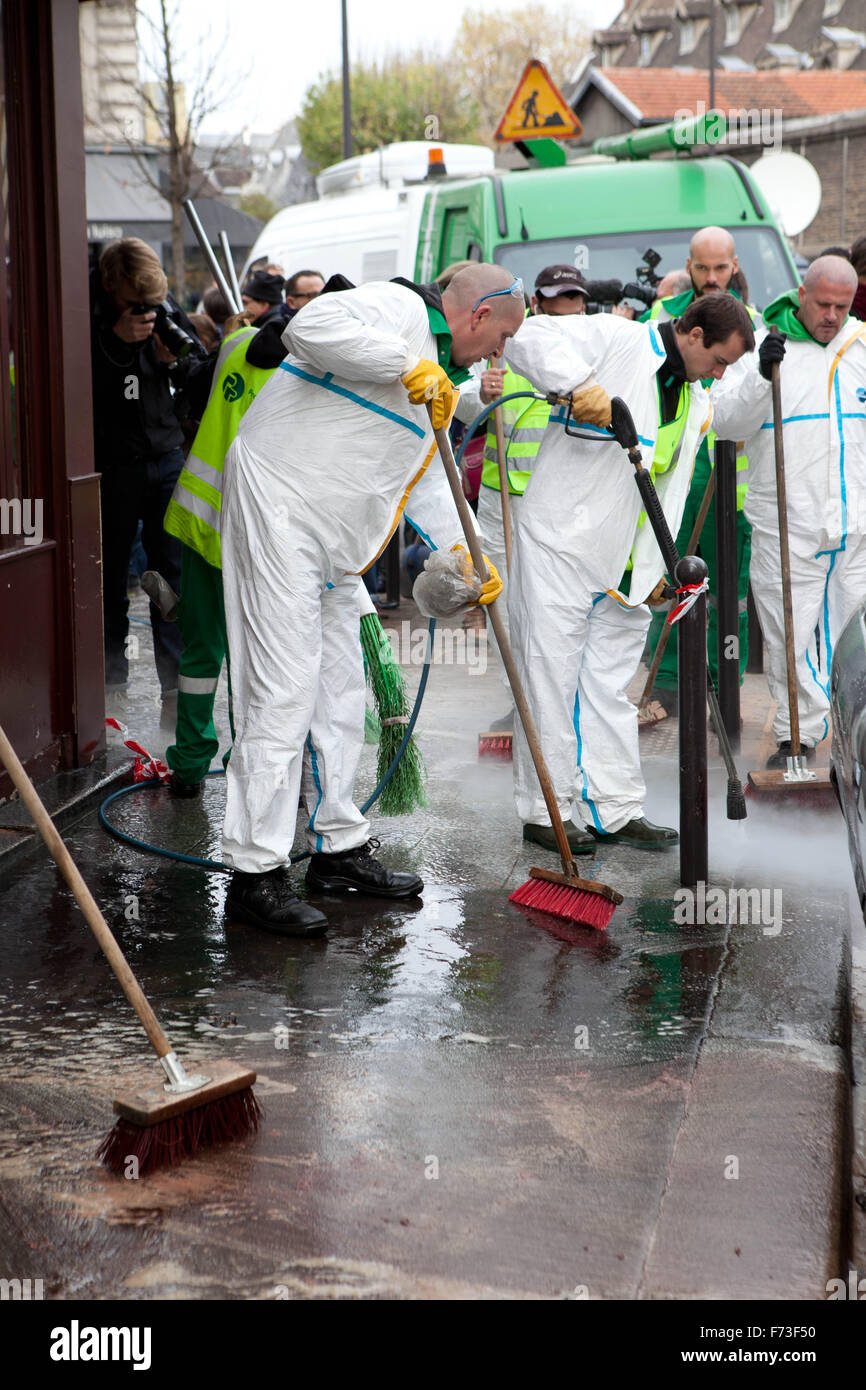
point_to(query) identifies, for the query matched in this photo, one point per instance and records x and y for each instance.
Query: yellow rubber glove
(429, 384)
(492, 588)
(591, 405)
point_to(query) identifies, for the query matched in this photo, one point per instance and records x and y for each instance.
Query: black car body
(848, 708)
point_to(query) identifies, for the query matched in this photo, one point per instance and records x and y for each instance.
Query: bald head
(475, 280)
(825, 296)
(483, 306)
(835, 270)
(712, 260)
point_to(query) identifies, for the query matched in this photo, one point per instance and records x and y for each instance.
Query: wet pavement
(462, 1098)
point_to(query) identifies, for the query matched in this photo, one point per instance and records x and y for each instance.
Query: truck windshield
(616, 257)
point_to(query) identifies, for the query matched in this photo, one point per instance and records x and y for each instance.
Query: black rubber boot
(269, 901)
(638, 834)
(578, 840)
(178, 787)
(356, 868)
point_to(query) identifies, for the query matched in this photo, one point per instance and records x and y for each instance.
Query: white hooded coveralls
(824, 431)
(576, 640)
(315, 482)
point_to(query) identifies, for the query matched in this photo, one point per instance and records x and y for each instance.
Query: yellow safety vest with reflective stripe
(710, 439)
(193, 514)
(523, 425)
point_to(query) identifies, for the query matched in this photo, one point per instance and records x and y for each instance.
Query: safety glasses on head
(515, 288)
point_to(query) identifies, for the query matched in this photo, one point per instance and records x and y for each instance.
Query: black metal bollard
(727, 601)
(692, 657)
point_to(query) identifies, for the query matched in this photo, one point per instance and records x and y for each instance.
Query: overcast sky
(287, 43)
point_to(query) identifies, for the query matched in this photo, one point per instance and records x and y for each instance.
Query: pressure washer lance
(622, 428)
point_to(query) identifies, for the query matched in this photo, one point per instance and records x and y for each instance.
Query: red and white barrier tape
(146, 767)
(692, 593)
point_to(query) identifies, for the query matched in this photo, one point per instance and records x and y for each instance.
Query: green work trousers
(667, 673)
(202, 620)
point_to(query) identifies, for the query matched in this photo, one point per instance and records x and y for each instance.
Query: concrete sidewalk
(461, 1099)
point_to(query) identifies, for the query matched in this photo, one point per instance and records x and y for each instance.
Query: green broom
(405, 791)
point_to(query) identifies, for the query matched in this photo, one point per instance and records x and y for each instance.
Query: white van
(366, 221)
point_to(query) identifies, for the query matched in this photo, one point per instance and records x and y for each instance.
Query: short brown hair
(134, 262)
(718, 315)
(292, 282)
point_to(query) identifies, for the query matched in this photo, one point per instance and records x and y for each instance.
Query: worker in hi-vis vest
(246, 360)
(559, 289)
(713, 268)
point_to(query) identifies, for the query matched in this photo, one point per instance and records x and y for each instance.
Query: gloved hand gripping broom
(561, 895)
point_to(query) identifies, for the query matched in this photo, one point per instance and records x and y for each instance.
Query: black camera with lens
(171, 335)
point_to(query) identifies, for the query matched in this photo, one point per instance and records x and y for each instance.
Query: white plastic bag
(443, 588)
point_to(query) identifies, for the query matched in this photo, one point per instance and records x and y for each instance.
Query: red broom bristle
(496, 746)
(171, 1141)
(561, 900)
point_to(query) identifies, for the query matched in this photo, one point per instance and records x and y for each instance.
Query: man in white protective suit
(578, 544)
(334, 446)
(822, 351)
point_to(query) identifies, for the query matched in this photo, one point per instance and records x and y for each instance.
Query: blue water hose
(486, 413)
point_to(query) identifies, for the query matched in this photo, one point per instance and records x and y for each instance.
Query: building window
(781, 15)
(688, 37)
(832, 8)
(646, 49)
(733, 25)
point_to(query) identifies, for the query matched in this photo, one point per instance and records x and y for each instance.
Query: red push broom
(156, 1128)
(565, 895)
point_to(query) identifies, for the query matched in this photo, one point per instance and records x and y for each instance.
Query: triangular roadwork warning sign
(537, 109)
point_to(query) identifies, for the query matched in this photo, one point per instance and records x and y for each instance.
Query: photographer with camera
(142, 349)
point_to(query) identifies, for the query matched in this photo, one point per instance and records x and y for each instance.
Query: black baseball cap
(560, 279)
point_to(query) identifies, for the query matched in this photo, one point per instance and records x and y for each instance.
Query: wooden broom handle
(503, 476)
(83, 896)
(467, 521)
(787, 608)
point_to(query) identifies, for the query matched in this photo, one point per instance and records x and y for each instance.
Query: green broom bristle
(372, 727)
(405, 791)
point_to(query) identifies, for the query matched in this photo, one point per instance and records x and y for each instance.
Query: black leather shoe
(638, 834)
(178, 787)
(779, 759)
(269, 901)
(578, 840)
(337, 873)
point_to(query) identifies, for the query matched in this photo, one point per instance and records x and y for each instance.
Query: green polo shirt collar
(442, 333)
